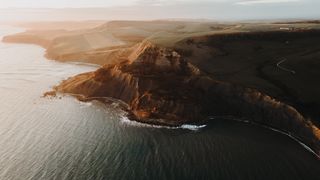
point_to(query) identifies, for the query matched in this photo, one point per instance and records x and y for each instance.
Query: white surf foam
(85, 103)
(126, 121)
(192, 127)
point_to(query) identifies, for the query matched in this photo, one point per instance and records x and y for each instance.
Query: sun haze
(158, 9)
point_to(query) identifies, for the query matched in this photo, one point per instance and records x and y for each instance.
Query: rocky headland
(162, 87)
(199, 76)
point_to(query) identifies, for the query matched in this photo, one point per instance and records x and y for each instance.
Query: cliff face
(161, 87)
(153, 81)
(252, 59)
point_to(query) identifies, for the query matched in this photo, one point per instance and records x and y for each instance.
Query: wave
(126, 121)
(192, 127)
(272, 129)
(85, 104)
(293, 138)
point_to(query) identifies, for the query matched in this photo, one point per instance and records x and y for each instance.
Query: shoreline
(197, 126)
(275, 130)
(155, 121)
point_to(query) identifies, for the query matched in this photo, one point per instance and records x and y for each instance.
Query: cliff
(162, 87)
(252, 59)
(205, 75)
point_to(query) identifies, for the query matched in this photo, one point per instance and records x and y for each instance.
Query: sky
(114, 3)
(158, 9)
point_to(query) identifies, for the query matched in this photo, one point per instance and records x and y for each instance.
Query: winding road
(283, 68)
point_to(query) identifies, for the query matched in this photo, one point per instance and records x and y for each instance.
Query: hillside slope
(162, 87)
(176, 72)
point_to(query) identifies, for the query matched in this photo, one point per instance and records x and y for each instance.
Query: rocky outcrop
(161, 87)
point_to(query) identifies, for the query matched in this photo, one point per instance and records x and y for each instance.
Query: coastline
(162, 124)
(83, 97)
(275, 130)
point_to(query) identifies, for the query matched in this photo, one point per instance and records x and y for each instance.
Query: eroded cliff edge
(162, 87)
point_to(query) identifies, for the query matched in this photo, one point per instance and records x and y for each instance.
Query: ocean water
(62, 138)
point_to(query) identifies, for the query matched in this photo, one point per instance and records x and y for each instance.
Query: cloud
(253, 2)
(178, 2)
(153, 2)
